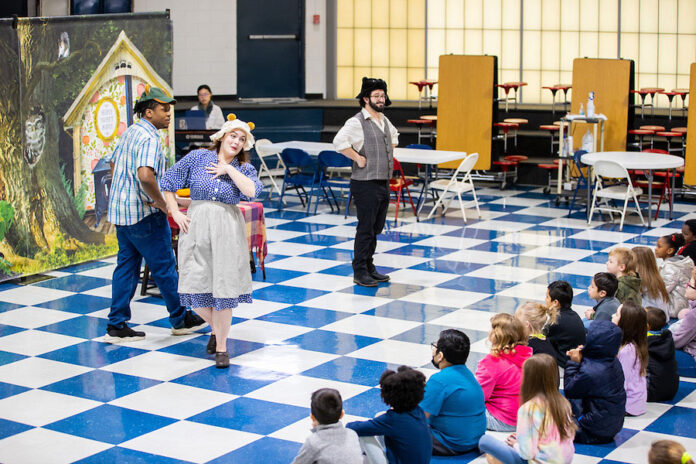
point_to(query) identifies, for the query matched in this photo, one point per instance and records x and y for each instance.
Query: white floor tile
(297, 390)
(568, 254)
(38, 372)
(652, 412)
(382, 245)
(177, 441)
(159, 366)
(503, 226)
(31, 318)
(528, 238)
(155, 338)
(320, 282)
(338, 231)
(690, 400)
(446, 241)
(47, 447)
(277, 235)
(141, 313)
(38, 407)
(266, 332)
(604, 235)
(423, 278)
(658, 232)
(371, 326)
(475, 256)
(445, 297)
(395, 352)
(333, 219)
(35, 342)
(173, 400)
(299, 263)
(32, 295)
(105, 291)
(300, 430)
(291, 248)
(258, 308)
(283, 358)
(635, 449)
(398, 261)
(466, 319)
(500, 272)
(518, 201)
(543, 212)
(346, 302)
(583, 268)
(104, 272)
(426, 228)
(533, 292)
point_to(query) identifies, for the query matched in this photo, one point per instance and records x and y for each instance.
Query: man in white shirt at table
(369, 138)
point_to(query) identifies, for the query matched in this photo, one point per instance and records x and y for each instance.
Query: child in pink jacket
(500, 372)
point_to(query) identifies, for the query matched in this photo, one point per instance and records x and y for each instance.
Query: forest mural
(47, 191)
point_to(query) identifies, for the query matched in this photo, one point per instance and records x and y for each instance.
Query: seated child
(653, 290)
(602, 289)
(568, 332)
(663, 379)
(684, 331)
(545, 426)
(535, 316)
(689, 233)
(404, 426)
(500, 372)
(329, 442)
(622, 263)
(453, 401)
(594, 383)
(633, 355)
(668, 452)
(675, 270)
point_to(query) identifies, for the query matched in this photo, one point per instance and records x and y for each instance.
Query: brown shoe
(212, 343)
(222, 359)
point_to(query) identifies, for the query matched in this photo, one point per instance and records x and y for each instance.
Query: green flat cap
(157, 94)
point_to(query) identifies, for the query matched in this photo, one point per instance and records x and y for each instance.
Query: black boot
(365, 280)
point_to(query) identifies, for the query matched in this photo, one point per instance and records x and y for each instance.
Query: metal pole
(618, 33)
(425, 28)
(520, 96)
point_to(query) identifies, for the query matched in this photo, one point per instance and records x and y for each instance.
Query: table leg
(589, 191)
(649, 175)
(671, 194)
(560, 158)
(424, 190)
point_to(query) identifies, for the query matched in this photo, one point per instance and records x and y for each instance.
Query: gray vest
(377, 149)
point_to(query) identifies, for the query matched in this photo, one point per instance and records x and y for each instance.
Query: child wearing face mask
(453, 401)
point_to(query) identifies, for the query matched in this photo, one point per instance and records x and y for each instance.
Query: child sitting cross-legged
(568, 332)
(675, 270)
(545, 426)
(633, 355)
(654, 293)
(602, 289)
(500, 372)
(622, 263)
(405, 429)
(594, 383)
(684, 331)
(330, 442)
(663, 379)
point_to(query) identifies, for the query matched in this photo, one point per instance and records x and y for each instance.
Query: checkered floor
(67, 397)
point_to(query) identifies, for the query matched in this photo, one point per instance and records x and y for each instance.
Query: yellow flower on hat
(231, 117)
(251, 125)
(233, 123)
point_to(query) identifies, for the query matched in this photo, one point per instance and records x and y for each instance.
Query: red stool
(682, 131)
(508, 169)
(420, 123)
(421, 85)
(552, 130)
(519, 122)
(639, 136)
(682, 93)
(670, 136)
(506, 87)
(670, 97)
(505, 127)
(551, 169)
(554, 89)
(654, 129)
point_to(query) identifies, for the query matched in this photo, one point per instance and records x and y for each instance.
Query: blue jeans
(500, 450)
(151, 239)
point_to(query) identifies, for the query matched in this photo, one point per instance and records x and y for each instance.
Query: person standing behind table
(213, 248)
(213, 113)
(369, 138)
(139, 212)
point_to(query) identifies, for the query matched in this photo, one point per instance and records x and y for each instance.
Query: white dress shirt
(351, 134)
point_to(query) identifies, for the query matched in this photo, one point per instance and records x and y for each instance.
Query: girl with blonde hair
(535, 316)
(653, 290)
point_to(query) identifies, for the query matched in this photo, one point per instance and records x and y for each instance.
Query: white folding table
(647, 162)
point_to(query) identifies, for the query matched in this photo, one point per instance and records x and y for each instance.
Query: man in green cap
(138, 210)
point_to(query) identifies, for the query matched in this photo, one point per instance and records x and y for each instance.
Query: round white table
(647, 162)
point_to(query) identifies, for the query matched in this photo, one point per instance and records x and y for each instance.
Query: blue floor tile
(502, 247)
(318, 239)
(400, 237)
(453, 267)
(523, 218)
(4, 306)
(74, 283)
(8, 389)
(582, 244)
(93, 354)
(575, 281)
(335, 254)
(426, 334)
(196, 347)
(473, 232)
(331, 342)
(85, 266)
(345, 269)
(272, 450)
(677, 421)
(420, 251)
(9, 428)
(110, 424)
(7, 358)
(101, 385)
(9, 330)
(366, 404)
(685, 389)
(83, 326)
(600, 258)
(303, 226)
(500, 304)
(273, 276)
(600, 451)
(303, 316)
(532, 262)
(80, 304)
(384, 289)
(408, 311)
(250, 415)
(352, 370)
(238, 380)
(125, 455)
(285, 294)
(477, 284)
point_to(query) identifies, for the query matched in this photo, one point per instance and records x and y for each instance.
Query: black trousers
(371, 199)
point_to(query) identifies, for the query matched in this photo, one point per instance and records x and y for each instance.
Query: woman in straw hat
(214, 272)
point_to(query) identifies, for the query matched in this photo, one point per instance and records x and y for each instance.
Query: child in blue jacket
(594, 384)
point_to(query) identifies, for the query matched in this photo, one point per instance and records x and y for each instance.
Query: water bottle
(588, 142)
(590, 105)
(582, 111)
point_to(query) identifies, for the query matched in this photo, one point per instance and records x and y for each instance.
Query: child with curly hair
(675, 270)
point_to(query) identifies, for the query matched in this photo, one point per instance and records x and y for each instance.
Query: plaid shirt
(139, 146)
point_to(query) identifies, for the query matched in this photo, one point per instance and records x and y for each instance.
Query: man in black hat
(369, 138)
(138, 210)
